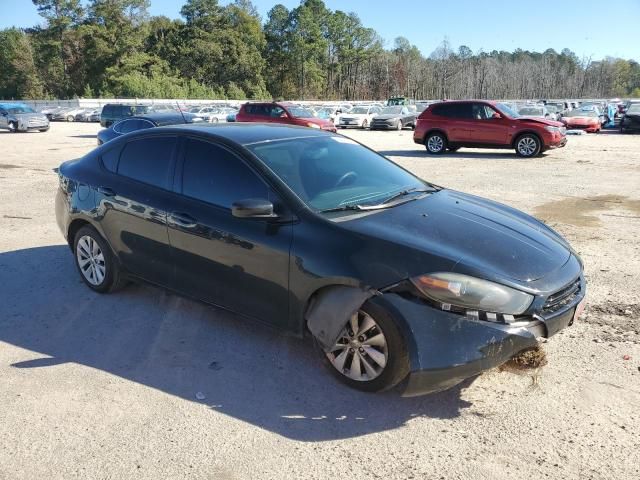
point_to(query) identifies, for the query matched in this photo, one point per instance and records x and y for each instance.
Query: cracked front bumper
(447, 348)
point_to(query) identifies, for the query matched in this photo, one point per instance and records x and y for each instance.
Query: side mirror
(253, 208)
(496, 116)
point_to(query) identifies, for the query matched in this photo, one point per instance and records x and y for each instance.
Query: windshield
(300, 112)
(634, 108)
(531, 112)
(581, 113)
(552, 108)
(20, 109)
(324, 113)
(392, 110)
(359, 110)
(504, 108)
(329, 172)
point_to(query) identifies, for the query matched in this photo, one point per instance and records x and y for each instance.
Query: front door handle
(106, 191)
(183, 219)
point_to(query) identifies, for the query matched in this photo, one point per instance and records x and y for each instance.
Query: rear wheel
(370, 353)
(528, 145)
(13, 127)
(436, 143)
(97, 266)
(399, 126)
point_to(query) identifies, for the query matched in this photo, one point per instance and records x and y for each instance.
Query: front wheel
(436, 143)
(365, 125)
(370, 354)
(13, 127)
(528, 145)
(70, 118)
(399, 126)
(95, 262)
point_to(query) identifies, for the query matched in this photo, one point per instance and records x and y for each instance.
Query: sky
(588, 28)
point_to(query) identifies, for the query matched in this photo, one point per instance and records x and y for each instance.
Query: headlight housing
(472, 293)
(552, 129)
(313, 125)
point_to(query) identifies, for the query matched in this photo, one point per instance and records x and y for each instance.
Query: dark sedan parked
(142, 122)
(395, 118)
(398, 280)
(631, 119)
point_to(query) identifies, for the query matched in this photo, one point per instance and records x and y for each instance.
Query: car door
(488, 126)
(133, 198)
(454, 120)
(238, 263)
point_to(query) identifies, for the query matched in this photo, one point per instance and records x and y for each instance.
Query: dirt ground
(104, 386)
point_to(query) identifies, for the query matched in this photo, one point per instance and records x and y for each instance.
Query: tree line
(114, 48)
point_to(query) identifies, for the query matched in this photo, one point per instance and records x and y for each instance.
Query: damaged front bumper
(446, 348)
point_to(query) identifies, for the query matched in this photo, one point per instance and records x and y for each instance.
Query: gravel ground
(104, 387)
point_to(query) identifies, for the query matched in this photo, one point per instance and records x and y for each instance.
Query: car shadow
(182, 347)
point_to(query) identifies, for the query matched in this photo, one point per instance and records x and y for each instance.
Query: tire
(365, 125)
(92, 256)
(70, 118)
(436, 143)
(13, 127)
(391, 364)
(528, 145)
(400, 126)
(43, 130)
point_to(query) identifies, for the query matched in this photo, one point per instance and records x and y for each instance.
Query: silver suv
(18, 117)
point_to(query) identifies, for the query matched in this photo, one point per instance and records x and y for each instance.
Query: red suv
(282, 113)
(484, 124)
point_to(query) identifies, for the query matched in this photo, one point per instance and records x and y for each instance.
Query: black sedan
(141, 122)
(398, 280)
(631, 119)
(394, 118)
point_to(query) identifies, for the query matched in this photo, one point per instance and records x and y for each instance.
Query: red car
(485, 124)
(587, 120)
(289, 114)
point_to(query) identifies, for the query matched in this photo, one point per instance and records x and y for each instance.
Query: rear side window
(214, 175)
(452, 110)
(110, 159)
(107, 110)
(126, 126)
(148, 160)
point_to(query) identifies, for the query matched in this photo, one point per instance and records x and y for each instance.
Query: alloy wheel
(91, 260)
(361, 352)
(527, 146)
(435, 144)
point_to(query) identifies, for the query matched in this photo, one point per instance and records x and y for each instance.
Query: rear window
(452, 110)
(147, 160)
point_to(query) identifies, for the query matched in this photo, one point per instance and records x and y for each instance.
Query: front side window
(480, 111)
(214, 175)
(148, 160)
(331, 171)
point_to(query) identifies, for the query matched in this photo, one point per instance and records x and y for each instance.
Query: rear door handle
(183, 219)
(106, 191)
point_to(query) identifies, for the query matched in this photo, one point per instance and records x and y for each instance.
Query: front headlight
(552, 129)
(472, 293)
(313, 125)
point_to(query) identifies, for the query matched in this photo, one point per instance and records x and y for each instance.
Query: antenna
(181, 113)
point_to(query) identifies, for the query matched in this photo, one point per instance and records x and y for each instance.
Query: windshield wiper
(342, 208)
(406, 192)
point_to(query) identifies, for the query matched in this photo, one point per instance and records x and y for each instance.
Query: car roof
(248, 133)
(13, 104)
(163, 118)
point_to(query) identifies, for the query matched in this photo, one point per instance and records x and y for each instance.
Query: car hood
(475, 236)
(316, 121)
(543, 121)
(388, 116)
(28, 116)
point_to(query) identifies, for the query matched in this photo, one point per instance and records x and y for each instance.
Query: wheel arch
(435, 130)
(517, 136)
(74, 226)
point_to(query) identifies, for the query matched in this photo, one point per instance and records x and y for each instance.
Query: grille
(561, 298)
